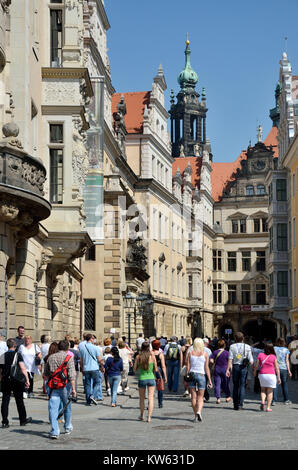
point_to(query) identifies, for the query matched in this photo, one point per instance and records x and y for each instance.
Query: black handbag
(189, 377)
(15, 372)
(245, 361)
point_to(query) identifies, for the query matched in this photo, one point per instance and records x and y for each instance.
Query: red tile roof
(135, 104)
(222, 172)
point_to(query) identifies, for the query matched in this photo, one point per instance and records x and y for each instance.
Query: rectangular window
(270, 192)
(190, 286)
(293, 184)
(282, 283)
(56, 176)
(246, 261)
(217, 260)
(231, 294)
(160, 277)
(271, 285)
(232, 261)
(260, 294)
(281, 190)
(56, 37)
(271, 239)
(217, 293)
(290, 235)
(166, 231)
(190, 247)
(261, 261)
(154, 275)
(282, 237)
(242, 225)
(257, 225)
(245, 294)
(235, 226)
(294, 231)
(89, 314)
(56, 133)
(295, 286)
(264, 225)
(166, 279)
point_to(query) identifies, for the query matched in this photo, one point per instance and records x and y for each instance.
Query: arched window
(249, 190)
(260, 189)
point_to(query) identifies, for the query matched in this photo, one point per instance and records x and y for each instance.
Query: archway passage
(226, 331)
(267, 330)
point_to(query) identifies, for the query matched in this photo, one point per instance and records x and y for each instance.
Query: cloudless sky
(236, 46)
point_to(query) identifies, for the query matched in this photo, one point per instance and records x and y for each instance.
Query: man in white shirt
(139, 342)
(240, 356)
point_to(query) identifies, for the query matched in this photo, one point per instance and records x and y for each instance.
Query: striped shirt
(55, 360)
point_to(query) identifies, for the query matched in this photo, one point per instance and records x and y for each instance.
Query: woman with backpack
(114, 367)
(269, 370)
(197, 369)
(147, 366)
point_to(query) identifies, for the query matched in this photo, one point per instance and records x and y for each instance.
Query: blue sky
(236, 46)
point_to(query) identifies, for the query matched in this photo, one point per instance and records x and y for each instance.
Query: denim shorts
(147, 382)
(199, 382)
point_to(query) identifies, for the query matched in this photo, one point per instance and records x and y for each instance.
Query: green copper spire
(188, 77)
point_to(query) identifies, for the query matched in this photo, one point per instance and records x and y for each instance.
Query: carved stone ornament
(80, 162)
(136, 253)
(5, 5)
(8, 211)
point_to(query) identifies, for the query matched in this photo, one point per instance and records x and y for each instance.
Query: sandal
(218, 401)
(141, 418)
(262, 407)
(148, 420)
(268, 409)
(228, 399)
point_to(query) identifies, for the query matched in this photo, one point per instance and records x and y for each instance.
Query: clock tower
(188, 114)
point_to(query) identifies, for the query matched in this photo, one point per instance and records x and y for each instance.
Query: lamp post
(129, 303)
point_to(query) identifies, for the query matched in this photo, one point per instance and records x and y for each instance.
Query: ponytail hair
(115, 354)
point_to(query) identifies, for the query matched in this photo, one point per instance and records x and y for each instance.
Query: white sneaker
(109, 392)
(25, 395)
(186, 393)
(127, 388)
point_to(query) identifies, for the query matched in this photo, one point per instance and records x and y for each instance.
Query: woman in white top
(198, 365)
(30, 352)
(126, 358)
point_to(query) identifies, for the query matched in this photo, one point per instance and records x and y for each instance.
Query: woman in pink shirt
(268, 371)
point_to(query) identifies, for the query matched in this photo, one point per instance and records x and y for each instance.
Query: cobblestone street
(104, 428)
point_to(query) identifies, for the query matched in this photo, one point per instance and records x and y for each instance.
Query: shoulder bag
(15, 371)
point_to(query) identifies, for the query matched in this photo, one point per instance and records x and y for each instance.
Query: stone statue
(182, 151)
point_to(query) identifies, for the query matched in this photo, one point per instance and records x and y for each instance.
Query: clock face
(260, 165)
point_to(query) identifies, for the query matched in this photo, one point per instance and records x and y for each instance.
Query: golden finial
(187, 39)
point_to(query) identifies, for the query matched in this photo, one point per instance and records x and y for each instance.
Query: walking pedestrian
(293, 347)
(240, 357)
(13, 386)
(114, 367)
(63, 361)
(209, 352)
(146, 363)
(174, 359)
(185, 349)
(269, 370)
(198, 366)
(219, 360)
(45, 341)
(127, 362)
(91, 362)
(257, 349)
(162, 370)
(32, 358)
(282, 355)
(139, 342)
(77, 360)
(20, 339)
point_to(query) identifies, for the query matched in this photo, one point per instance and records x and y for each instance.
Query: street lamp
(129, 303)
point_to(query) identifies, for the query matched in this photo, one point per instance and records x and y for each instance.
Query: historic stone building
(283, 183)
(45, 92)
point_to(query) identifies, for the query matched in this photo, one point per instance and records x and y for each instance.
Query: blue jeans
(239, 380)
(284, 385)
(58, 396)
(114, 381)
(93, 387)
(173, 368)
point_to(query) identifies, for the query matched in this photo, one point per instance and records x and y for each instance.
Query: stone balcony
(22, 178)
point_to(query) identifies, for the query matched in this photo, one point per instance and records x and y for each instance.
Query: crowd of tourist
(230, 367)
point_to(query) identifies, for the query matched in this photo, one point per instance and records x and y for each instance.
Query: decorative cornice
(64, 73)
